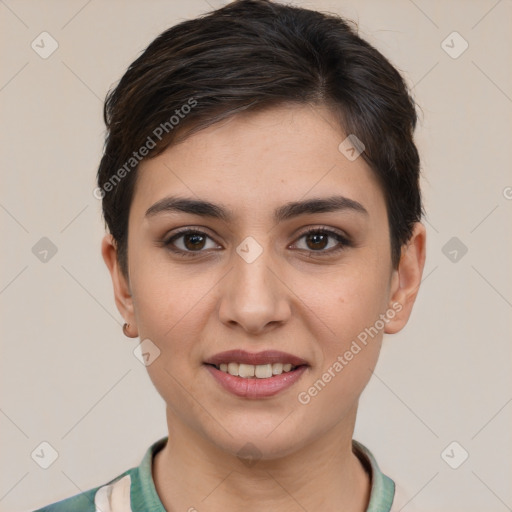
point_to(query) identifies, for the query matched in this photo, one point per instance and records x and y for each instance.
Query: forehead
(255, 162)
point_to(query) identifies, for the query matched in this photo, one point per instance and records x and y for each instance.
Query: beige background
(68, 375)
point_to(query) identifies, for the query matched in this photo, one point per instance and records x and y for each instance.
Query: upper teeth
(259, 371)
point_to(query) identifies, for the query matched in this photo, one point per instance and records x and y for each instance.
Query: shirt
(134, 490)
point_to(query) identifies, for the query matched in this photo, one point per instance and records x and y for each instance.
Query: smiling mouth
(251, 371)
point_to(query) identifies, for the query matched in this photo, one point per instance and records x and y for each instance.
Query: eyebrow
(285, 212)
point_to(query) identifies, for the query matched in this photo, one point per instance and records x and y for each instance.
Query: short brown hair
(255, 54)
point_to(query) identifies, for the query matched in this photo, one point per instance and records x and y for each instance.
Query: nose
(253, 296)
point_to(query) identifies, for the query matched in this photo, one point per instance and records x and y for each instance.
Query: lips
(258, 358)
(255, 375)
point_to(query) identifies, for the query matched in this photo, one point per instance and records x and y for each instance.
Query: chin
(259, 441)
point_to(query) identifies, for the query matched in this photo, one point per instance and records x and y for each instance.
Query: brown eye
(189, 241)
(317, 241)
(194, 241)
(323, 241)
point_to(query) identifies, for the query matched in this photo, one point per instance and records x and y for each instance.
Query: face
(289, 263)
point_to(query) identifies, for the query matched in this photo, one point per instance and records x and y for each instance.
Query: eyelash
(343, 240)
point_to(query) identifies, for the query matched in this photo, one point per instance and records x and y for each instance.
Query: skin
(291, 298)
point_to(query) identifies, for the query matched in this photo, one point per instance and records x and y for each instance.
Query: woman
(260, 186)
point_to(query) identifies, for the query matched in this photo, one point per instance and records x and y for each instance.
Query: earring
(125, 330)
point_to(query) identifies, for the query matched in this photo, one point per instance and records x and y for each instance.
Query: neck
(191, 473)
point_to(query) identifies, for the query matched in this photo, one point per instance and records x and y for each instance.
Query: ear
(406, 280)
(122, 293)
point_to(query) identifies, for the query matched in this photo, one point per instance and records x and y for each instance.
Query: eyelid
(323, 229)
(188, 229)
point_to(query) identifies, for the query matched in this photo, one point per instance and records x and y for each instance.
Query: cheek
(351, 308)
(344, 302)
(164, 296)
(164, 308)
(173, 305)
(349, 304)
(169, 312)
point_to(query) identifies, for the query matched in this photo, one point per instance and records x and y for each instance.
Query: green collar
(145, 497)
(383, 488)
